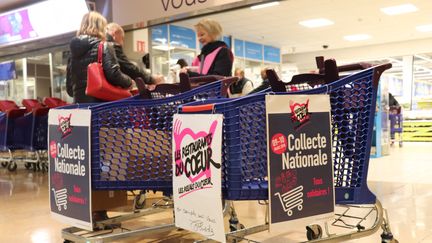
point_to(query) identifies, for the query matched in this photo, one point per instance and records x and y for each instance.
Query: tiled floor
(402, 182)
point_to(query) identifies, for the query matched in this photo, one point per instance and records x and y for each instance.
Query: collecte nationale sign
(69, 166)
(197, 165)
(300, 165)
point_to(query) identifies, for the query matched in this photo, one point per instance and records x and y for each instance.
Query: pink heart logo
(180, 135)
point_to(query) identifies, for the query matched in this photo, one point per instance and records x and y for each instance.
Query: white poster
(197, 164)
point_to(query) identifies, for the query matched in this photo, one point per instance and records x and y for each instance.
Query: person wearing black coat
(115, 34)
(215, 57)
(83, 49)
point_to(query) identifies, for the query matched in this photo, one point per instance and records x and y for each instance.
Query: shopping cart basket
(31, 135)
(131, 145)
(244, 153)
(10, 112)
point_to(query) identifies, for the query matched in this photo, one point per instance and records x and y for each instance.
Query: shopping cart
(396, 124)
(131, 147)
(244, 155)
(31, 135)
(10, 112)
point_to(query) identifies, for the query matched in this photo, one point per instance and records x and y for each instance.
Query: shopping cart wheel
(12, 166)
(67, 241)
(313, 232)
(140, 200)
(27, 165)
(44, 167)
(4, 164)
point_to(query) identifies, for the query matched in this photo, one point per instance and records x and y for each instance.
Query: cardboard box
(108, 200)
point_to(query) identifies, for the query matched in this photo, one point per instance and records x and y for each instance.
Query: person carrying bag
(84, 49)
(98, 86)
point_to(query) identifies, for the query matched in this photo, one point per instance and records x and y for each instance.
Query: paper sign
(197, 165)
(69, 167)
(300, 161)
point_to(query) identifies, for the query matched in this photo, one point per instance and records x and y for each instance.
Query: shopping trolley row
(131, 142)
(23, 132)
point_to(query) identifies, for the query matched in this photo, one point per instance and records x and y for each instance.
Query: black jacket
(83, 52)
(223, 62)
(126, 66)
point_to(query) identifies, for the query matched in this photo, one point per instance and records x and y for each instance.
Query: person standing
(115, 34)
(84, 50)
(215, 57)
(243, 85)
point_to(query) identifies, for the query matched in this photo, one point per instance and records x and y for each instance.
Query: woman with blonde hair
(215, 57)
(84, 49)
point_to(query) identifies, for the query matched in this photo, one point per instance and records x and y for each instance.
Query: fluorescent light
(399, 9)
(163, 47)
(424, 28)
(264, 5)
(358, 37)
(313, 23)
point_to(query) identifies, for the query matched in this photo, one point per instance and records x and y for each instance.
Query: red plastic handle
(198, 108)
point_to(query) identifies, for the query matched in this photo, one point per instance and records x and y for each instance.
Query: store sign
(33, 22)
(253, 50)
(300, 165)
(271, 54)
(197, 166)
(141, 11)
(238, 48)
(69, 167)
(182, 37)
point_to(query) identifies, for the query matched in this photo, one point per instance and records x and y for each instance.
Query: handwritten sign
(197, 164)
(300, 167)
(69, 172)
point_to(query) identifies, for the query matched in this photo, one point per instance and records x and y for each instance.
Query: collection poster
(300, 164)
(69, 167)
(197, 165)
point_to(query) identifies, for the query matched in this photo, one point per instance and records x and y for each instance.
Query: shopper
(115, 34)
(84, 49)
(215, 57)
(242, 87)
(265, 83)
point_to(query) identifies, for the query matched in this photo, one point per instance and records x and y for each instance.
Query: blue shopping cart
(352, 99)
(131, 142)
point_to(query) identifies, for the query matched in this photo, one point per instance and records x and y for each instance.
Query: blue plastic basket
(31, 131)
(244, 153)
(131, 140)
(8, 126)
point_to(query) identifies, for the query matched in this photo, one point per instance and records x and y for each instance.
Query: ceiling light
(424, 28)
(264, 5)
(358, 37)
(399, 9)
(313, 23)
(163, 47)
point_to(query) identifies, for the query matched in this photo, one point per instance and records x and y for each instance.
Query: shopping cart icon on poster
(291, 199)
(60, 197)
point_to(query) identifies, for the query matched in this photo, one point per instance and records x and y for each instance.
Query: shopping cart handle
(197, 108)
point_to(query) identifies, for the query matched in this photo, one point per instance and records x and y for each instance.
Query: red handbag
(98, 86)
